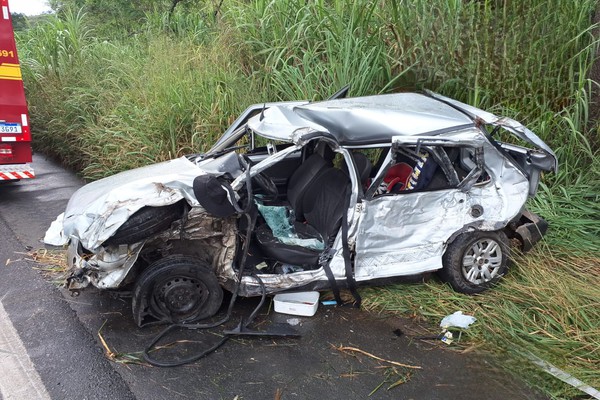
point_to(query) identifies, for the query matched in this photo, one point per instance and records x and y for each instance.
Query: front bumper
(105, 270)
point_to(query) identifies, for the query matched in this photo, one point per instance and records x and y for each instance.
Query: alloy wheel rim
(482, 261)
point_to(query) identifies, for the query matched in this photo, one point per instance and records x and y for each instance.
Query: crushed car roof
(363, 120)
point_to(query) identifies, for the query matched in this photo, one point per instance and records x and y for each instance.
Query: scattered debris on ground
(395, 374)
(121, 358)
(52, 263)
(347, 349)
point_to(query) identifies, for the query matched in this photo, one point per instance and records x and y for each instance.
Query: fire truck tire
(146, 222)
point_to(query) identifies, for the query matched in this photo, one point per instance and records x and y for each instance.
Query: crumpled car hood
(98, 209)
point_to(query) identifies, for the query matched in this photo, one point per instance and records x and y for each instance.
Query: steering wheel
(267, 185)
(263, 181)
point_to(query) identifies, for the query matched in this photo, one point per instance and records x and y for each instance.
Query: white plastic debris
(298, 303)
(457, 320)
(261, 265)
(54, 235)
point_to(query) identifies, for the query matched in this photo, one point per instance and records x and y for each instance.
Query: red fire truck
(15, 135)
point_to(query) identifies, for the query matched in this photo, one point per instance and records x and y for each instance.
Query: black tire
(146, 222)
(176, 289)
(475, 261)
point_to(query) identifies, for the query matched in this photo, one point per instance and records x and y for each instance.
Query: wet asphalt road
(61, 336)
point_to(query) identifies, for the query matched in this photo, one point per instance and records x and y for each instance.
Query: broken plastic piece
(447, 337)
(299, 303)
(563, 376)
(457, 320)
(55, 235)
(262, 265)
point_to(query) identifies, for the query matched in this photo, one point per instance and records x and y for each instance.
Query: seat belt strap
(324, 262)
(347, 261)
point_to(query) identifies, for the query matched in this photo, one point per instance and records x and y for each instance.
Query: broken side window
(425, 168)
(367, 161)
(429, 168)
(466, 163)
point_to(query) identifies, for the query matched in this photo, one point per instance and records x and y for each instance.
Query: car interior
(309, 207)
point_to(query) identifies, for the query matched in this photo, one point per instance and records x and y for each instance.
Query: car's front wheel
(474, 261)
(176, 289)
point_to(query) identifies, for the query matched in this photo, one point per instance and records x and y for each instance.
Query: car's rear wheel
(474, 261)
(176, 289)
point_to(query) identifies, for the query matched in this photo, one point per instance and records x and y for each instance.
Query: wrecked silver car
(302, 195)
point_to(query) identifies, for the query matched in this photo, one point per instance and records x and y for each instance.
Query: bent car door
(417, 201)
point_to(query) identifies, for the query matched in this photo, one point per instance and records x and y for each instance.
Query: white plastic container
(299, 303)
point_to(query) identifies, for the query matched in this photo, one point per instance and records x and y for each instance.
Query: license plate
(10, 128)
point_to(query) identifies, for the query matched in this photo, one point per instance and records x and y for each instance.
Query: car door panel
(405, 234)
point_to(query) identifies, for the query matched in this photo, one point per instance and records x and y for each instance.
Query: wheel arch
(475, 226)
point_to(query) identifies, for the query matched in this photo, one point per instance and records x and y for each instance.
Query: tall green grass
(309, 49)
(107, 106)
(490, 54)
(494, 55)
(173, 85)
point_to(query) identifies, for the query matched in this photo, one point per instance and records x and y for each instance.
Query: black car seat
(323, 203)
(364, 167)
(304, 175)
